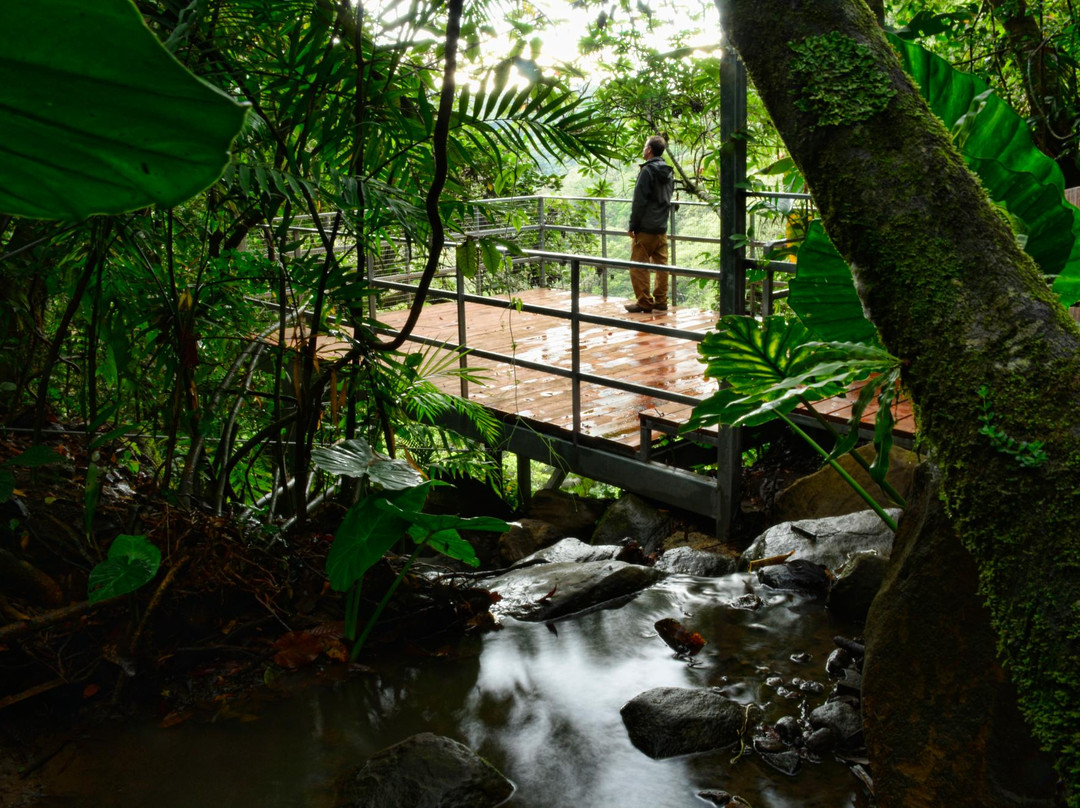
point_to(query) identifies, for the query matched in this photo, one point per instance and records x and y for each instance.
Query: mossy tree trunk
(942, 278)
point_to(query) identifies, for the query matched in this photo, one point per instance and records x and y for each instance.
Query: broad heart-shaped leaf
(996, 143)
(773, 367)
(467, 258)
(449, 543)
(97, 117)
(441, 530)
(367, 533)
(747, 355)
(132, 561)
(823, 292)
(35, 456)
(730, 407)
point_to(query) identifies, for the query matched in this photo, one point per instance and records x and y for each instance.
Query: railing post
(575, 347)
(369, 260)
(673, 258)
(540, 239)
(603, 228)
(732, 181)
(732, 265)
(462, 331)
(603, 247)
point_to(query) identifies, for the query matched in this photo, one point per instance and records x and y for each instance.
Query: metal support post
(462, 331)
(603, 246)
(524, 480)
(732, 181)
(732, 266)
(673, 259)
(369, 261)
(575, 347)
(540, 239)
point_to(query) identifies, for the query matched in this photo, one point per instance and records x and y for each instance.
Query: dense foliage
(199, 322)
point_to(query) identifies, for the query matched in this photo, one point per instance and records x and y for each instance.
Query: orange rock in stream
(685, 643)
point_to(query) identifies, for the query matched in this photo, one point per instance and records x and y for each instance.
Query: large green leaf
(367, 533)
(996, 143)
(772, 367)
(7, 485)
(132, 562)
(97, 117)
(35, 456)
(354, 458)
(440, 531)
(750, 356)
(823, 292)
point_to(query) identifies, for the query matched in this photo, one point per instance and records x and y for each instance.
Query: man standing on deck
(648, 227)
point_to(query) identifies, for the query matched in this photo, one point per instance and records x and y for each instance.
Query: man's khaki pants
(649, 248)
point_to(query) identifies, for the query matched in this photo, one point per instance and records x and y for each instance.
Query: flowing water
(540, 703)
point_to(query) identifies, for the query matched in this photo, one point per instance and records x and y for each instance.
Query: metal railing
(593, 225)
(518, 219)
(576, 318)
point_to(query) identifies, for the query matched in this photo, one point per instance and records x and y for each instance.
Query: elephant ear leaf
(823, 293)
(132, 562)
(996, 144)
(769, 369)
(96, 117)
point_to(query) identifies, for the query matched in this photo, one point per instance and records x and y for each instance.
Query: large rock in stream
(829, 542)
(669, 721)
(633, 518)
(826, 493)
(941, 720)
(688, 561)
(547, 591)
(426, 771)
(572, 550)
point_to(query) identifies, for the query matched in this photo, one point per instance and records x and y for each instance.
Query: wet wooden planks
(653, 360)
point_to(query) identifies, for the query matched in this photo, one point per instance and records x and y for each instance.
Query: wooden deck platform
(662, 362)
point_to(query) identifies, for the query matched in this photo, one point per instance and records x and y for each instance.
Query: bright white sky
(560, 44)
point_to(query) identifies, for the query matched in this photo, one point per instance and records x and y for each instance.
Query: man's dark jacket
(652, 197)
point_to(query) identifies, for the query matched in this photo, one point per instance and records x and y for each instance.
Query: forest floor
(232, 609)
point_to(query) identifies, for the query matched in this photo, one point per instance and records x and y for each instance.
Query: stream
(540, 702)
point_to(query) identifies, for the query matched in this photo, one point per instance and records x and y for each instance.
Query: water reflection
(542, 706)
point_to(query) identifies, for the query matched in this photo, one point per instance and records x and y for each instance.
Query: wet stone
(796, 576)
(808, 687)
(840, 717)
(801, 657)
(767, 740)
(716, 797)
(774, 681)
(850, 682)
(427, 769)
(749, 602)
(669, 721)
(821, 740)
(837, 661)
(688, 561)
(789, 730)
(547, 591)
(784, 762)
